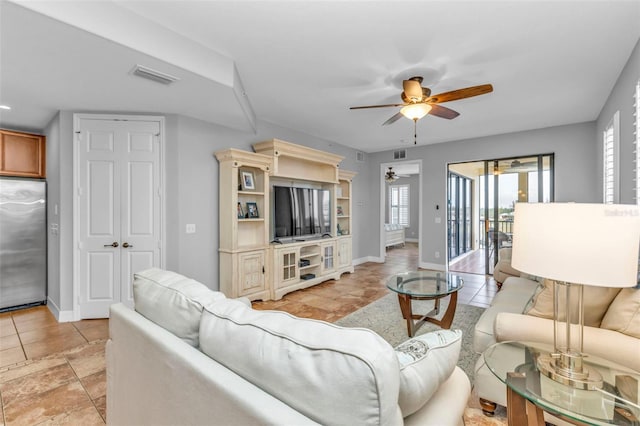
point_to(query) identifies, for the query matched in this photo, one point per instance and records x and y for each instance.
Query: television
(301, 213)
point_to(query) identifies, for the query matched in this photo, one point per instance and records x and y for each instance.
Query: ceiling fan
(391, 176)
(517, 164)
(419, 102)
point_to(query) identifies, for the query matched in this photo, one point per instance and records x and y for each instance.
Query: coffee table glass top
(424, 283)
(615, 403)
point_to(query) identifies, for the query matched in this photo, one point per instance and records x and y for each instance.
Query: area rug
(384, 317)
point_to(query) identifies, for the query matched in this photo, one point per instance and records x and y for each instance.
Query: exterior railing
(505, 226)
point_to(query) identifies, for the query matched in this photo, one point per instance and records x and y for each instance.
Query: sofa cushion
(623, 314)
(331, 374)
(513, 297)
(596, 303)
(426, 361)
(172, 301)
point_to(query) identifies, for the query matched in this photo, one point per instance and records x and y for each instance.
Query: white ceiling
(303, 64)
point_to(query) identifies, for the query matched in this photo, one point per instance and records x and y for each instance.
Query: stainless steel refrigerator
(23, 242)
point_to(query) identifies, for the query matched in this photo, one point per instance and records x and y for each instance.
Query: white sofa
(614, 332)
(393, 235)
(189, 356)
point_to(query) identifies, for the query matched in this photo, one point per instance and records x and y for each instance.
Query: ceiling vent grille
(360, 156)
(153, 75)
(399, 154)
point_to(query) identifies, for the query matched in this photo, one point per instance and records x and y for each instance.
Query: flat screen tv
(301, 212)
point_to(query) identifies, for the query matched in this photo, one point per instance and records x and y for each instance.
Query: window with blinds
(637, 147)
(610, 144)
(399, 204)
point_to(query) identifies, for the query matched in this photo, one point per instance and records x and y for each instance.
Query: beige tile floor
(50, 372)
(54, 373)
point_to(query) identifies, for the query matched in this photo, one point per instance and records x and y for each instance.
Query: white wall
(621, 99)
(575, 151)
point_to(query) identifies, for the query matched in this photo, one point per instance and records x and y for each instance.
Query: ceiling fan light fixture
(415, 111)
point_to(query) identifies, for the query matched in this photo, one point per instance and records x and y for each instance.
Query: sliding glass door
(506, 182)
(459, 227)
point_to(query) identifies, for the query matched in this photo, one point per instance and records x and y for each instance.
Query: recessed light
(5, 107)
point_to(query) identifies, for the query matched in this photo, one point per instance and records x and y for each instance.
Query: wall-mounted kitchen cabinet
(22, 154)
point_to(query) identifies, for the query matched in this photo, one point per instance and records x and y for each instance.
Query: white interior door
(119, 209)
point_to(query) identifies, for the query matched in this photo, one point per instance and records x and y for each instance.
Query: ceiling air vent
(153, 75)
(399, 154)
(360, 156)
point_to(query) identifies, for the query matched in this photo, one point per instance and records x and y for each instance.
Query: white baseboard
(367, 259)
(433, 266)
(60, 316)
(411, 240)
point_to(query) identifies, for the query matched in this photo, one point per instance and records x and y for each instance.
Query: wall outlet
(191, 228)
(437, 255)
(438, 219)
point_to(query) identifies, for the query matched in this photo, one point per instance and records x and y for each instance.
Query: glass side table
(425, 285)
(529, 392)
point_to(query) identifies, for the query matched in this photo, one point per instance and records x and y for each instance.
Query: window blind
(637, 141)
(610, 161)
(399, 204)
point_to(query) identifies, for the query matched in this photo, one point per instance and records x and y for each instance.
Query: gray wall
(575, 148)
(621, 99)
(53, 200)
(191, 193)
(413, 181)
(192, 173)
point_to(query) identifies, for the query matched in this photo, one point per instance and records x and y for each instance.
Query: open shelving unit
(244, 241)
(252, 266)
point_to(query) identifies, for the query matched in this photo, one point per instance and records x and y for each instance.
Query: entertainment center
(285, 219)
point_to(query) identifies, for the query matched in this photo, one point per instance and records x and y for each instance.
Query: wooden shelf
(304, 268)
(345, 216)
(250, 193)
(253, 219)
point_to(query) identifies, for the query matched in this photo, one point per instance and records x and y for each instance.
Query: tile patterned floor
(50, 372)
(54, 373)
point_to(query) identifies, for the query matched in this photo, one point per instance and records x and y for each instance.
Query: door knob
(126, 245)
(113, 244)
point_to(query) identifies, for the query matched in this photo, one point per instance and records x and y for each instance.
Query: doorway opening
(481, 198)
(400, 213)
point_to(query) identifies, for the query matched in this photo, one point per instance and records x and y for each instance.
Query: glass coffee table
(425, 285)
(529, 392)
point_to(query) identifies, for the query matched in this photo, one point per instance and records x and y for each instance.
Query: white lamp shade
(415, 111)
(591, 244)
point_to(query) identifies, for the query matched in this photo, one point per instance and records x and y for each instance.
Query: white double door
(118, 194)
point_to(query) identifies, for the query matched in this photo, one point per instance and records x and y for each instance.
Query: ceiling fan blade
(377, 106)
(393, 119)
(454, 95)
(443, 112)
(412, 90)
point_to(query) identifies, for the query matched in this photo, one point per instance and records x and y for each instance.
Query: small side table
(529, 393)
(425, 285)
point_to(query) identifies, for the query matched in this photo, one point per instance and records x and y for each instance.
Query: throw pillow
(172, 301)
(596, 302)
(426, 361)
(624, 313)
(331, 374)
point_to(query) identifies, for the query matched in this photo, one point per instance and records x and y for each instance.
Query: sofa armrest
(600, 342)
(453, 394)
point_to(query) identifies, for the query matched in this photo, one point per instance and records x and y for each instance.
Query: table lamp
(575, 245)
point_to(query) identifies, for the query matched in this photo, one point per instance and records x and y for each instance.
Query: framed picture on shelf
(339, 211)
(252, 211)
(240, 211)
(247, 180)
